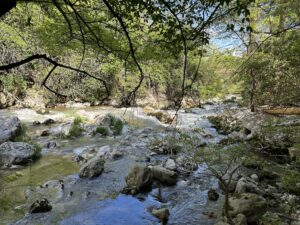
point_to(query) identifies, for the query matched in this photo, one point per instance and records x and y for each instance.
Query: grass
(76, 129)
(14, 184)
(23, 137)
(118, 127)
(116, 124)
(101, 130)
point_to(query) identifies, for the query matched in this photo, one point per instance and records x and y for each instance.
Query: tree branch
(56, 64)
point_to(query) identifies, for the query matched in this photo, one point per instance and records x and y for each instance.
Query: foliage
(122, 46)
(290, 181)
(24, 137)
(116, 124)
(101, 130)
(76, 129)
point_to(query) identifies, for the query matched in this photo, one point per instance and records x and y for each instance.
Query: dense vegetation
(112, 50)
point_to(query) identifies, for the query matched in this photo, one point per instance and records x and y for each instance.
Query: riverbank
(144, 141)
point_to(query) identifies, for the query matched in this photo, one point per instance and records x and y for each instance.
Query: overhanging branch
(55, 64)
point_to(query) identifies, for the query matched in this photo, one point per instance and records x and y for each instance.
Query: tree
(114, 28)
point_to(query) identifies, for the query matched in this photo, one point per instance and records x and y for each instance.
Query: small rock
(49, 121)
(213, 195)
(36, 123)
(40, 206)
(162, 214)
(45, 133)
(51, 144)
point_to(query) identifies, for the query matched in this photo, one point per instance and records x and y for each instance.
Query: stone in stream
(251, 205)
(36, 123)
(44, 133)
(163, 175)
(92, 168)
(49, 121)
(170, 164)
(161, 214)
(213, 195)
(40, 206)
(9, 128)
(16, 153)
(51, 144)
(139, 177)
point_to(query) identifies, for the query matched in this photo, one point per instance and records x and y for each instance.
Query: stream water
(98, 201)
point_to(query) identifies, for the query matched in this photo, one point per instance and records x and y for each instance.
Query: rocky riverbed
(102, 165)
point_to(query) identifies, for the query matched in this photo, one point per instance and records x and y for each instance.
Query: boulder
(162, 116)
(9, 128)
(240, 219)
(187, 163)
(170, 164)
(6, 99)
(16, 153)
(40, 206)
(213, 195)
(92, 168)
(163, 175)
(251, 205)
(139, 177)
(246, 184)
(161, 214)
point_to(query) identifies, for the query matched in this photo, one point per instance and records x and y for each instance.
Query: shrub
(118, 127)
(22, 136)
(101, 130)
(290, 181)
(76, 130)
(116, 124)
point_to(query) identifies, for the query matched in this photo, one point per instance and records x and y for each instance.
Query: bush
(290, 181)
(118, 127)
(116, 124)
(22, 136)
(76, 130)
(37, 150)
(101, 130)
